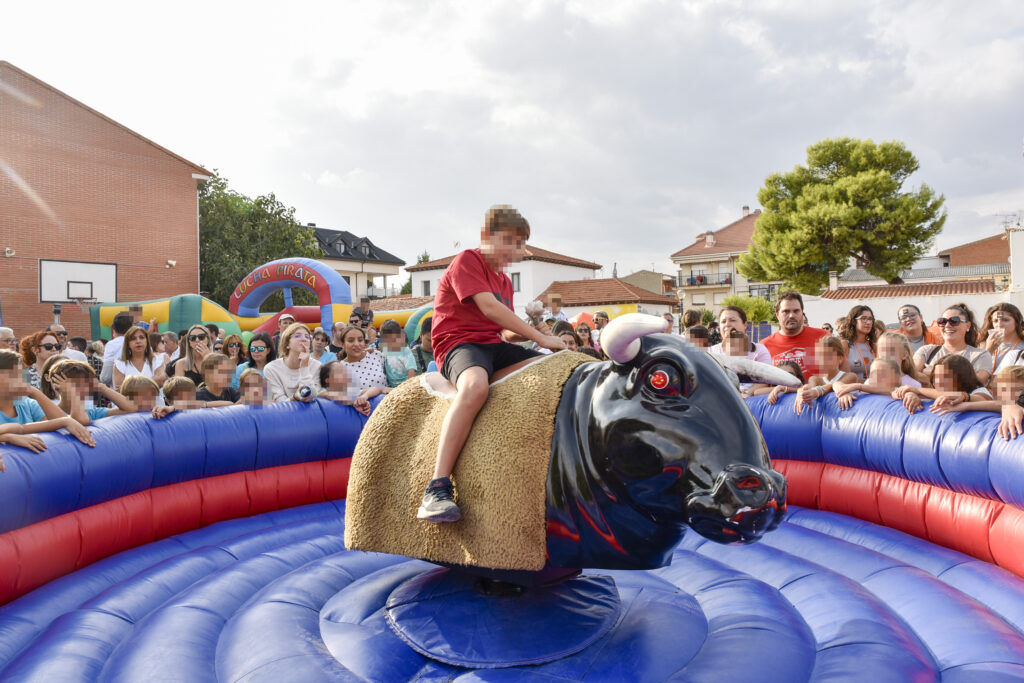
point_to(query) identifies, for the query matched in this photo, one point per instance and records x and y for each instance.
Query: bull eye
(665, 380)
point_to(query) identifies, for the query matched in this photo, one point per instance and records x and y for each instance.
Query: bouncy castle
(208, 546)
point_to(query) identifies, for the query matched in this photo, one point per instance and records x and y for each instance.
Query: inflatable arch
(330, 288)
(176, 544)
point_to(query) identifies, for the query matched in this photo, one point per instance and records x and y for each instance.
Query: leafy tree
(237, 233)
(706, 317)
(847, 202)
(422, 258)
(756, 308)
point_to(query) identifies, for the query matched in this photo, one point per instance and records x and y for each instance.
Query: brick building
(87, 208)
(994, 249)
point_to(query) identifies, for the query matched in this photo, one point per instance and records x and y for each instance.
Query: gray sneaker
(438, 502)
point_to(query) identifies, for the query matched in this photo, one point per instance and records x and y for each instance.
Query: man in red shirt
(473, 328)
(794, 341)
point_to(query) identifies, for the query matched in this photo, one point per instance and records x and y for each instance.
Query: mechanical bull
(653, 441)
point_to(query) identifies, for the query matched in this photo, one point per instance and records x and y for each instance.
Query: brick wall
(117, 199)
(983, 252)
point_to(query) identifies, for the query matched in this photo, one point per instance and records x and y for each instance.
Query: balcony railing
(707, 280)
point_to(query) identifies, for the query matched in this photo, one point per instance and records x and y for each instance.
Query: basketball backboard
(65, 281)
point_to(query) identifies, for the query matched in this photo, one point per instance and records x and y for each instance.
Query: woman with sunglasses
(959, 337)
(859, 337)
(321, 353)
(234, 348)
(35, 350)
(137, 358)
(583, 332)
(261, 352)
(197, 347)
(912, 327)
(1002, 335)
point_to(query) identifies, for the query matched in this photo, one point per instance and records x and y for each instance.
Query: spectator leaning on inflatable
(860, 337)
(294, 376)
(959, 337)
(1002, 335)
(794, 341)
(261, 352)
(24, 410)
(365, 369)
(735, 318)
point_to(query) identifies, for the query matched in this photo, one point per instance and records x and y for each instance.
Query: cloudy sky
(620, 129)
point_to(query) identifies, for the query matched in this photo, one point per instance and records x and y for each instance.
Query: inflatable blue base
(824, 597)
(464, 620)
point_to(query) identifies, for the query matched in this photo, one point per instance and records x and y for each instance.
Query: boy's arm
(120, 400)
(50, 409)
(970, 406)
(503, 316)
(64, 422)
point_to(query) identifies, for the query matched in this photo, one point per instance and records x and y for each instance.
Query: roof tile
(734, 237)
(603, 291)
(924, 289)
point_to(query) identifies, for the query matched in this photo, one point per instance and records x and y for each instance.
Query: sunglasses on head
(257, 348)
(952, 322)
(197, 337)
(50, 347)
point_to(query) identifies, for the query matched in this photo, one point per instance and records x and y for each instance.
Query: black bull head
(651, 442)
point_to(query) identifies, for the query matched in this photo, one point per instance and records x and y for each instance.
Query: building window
(764, 291)
(426, 288)
(697, 300)
(515, 281)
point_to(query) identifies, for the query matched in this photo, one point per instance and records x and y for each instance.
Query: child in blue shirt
(24, 411)
(399, 363)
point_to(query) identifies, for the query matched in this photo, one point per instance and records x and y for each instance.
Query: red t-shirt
(457, 319)
(798, 348)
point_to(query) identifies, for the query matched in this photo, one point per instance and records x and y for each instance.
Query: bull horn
(620, 339)
(762, 372)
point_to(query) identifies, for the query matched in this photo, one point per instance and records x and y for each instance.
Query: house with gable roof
(357, 260)
(707, 272)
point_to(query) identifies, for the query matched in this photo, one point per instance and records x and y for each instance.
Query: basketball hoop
(84, 303)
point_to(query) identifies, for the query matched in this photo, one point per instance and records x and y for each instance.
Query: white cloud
(620, 129)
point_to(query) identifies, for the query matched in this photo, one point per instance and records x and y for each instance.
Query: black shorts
(490, 357)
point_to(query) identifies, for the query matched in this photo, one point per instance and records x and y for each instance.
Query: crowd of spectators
(956, 364)
(49, 381)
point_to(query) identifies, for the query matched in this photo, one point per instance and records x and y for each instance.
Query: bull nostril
(750, 482)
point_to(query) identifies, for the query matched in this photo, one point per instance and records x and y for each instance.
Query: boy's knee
(474, 387)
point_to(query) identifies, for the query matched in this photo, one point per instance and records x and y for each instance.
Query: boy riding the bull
(474, 334)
